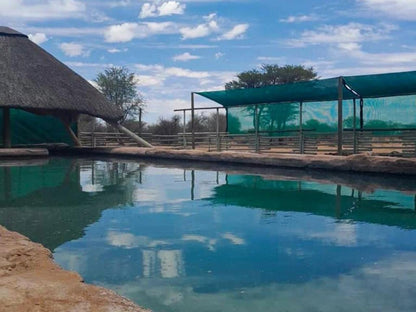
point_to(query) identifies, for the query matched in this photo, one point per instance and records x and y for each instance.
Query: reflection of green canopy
(289, 196)
(47, 204)
(367, 86)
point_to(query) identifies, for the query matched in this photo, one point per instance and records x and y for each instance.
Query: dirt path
(31, 281)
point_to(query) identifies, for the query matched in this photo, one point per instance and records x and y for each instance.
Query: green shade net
(28, 128)
(368, 86)
(389, 100)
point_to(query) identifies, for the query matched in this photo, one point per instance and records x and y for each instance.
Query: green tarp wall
(28, 128)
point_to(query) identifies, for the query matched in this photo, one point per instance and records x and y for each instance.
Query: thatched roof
(34, 80)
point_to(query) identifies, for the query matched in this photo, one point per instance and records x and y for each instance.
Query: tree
(118, 85)
(272, 116)
(271, 75)
(166, 126)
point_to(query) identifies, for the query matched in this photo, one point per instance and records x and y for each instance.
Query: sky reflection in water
(195, 240)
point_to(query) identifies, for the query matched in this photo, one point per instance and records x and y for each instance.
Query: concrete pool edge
(30, 278)
(12, 153)
(354, 163)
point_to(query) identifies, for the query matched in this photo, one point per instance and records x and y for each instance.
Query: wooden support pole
(340, 118)
(71, 133)
(193, 119)
(7, 142)
(132, 135)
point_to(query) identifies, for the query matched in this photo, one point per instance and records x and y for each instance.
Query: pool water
(173, 238)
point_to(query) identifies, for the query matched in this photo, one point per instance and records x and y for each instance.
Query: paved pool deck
(355, 163)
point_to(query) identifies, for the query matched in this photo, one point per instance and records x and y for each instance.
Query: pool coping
(362, 163)
(10, 153)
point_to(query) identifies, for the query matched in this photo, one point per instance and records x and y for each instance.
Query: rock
(31, 281)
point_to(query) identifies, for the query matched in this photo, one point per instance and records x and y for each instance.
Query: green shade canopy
(367, 86)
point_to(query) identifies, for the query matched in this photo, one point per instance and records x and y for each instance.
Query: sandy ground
(31, 281)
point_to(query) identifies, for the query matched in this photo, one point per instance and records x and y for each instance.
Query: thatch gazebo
(33, 80)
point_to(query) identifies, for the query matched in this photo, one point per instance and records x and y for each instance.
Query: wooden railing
(395, 142)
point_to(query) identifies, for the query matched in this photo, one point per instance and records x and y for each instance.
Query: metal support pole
(218, 130)
(340, 126)
(226, 120)
(361, 114)
(192, 184)
(354, 127)
(7, 142)
(192, 119)
(301, 141)
(256, 126)
(184, 129)
(338, 206)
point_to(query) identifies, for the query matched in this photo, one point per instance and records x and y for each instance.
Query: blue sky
(176, 47)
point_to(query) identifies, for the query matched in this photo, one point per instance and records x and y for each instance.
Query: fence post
(354, 127)
(184, 128)
(93, 140)
(301, 141)
(193, 119)
(340, 118)
(256, 117)
(218, 130)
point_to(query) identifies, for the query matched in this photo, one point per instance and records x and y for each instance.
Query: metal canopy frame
(354, 95)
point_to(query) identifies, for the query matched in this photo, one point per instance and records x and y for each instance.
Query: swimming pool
(183, 237)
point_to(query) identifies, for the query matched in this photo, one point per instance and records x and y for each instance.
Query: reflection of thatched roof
(32, 79)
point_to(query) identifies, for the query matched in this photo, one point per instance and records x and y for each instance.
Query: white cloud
(148, 10)
(72, 49)
(41, 10)
(115, 50)
(122, 32)
(38, 38)
(129, 241)
(171, 8)
(128, 31)
(234, 239)
(275, 59)
(202, 30)
(66, 31)
(165, 8)
(219, 55)
(355, 51)
(161, 101)
(199, 31)
(147, 80)
(386, 284)
(83, 64)
(299, 19)
(398, 9)
(349, 33)
(236, 32)
(185, 57)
